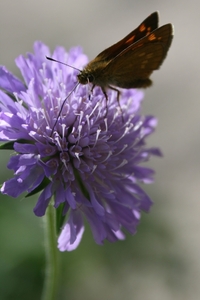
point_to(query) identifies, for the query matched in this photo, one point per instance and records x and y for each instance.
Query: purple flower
(91, 164)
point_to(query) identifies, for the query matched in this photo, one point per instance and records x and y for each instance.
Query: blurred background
(162, 260)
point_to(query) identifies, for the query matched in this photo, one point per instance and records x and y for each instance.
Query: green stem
(51, 284)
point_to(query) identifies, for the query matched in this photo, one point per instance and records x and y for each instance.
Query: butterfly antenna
(60, 62)
(62, 107)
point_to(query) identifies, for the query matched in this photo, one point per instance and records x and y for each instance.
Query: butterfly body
(93, 73)
(96, 74)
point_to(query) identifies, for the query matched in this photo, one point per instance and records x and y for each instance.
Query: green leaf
(38, 189)
(59, 217)
(10, 145)
(7, 146)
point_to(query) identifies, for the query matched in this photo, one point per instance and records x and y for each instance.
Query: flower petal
(9, 82)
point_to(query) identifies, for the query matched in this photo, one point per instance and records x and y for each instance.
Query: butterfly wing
(148, 25)
(140, 59)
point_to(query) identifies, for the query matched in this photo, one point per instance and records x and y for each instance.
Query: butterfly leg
(118, 94)
(106, 96)
(93, 86)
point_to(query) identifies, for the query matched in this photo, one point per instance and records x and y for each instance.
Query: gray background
(172, 269)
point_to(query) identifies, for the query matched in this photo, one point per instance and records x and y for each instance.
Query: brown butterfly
(130, 62)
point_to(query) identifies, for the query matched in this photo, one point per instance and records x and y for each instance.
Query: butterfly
(130, 62)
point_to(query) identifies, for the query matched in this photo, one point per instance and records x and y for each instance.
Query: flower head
(91, 162)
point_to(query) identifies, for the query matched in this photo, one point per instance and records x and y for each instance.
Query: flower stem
(51, 284)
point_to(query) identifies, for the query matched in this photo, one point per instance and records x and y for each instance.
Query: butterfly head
(85, 77)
